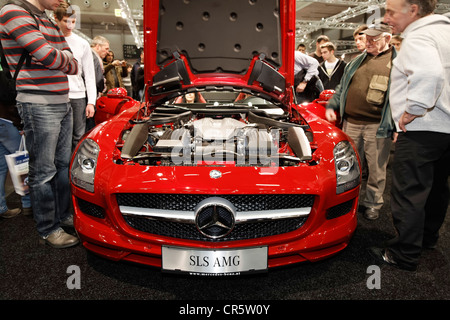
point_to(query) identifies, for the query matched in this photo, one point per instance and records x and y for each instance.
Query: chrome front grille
(173, 215)
(188, 202)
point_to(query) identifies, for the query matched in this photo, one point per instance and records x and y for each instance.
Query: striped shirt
(44, 81)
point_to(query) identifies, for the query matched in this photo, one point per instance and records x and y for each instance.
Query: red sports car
(217, 171)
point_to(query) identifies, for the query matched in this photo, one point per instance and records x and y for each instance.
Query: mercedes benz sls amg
(238, 179)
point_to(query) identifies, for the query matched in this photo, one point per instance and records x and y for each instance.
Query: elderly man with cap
(362, 99)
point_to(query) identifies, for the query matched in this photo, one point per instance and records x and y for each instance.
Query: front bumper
(312, 241)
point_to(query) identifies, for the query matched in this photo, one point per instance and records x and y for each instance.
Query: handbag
(18, 168)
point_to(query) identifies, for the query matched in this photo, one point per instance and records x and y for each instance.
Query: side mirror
(117, 93)
(326, 95)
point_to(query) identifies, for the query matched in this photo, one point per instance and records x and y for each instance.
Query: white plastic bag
(18, 168)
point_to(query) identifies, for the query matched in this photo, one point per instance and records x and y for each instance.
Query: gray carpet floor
(30, 271)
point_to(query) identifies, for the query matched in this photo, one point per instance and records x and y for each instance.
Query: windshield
(220, 99)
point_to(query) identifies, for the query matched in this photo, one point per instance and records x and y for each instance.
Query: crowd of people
(398, 90)
(383, 96)
(55, 106)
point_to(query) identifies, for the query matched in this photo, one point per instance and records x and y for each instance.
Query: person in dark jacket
(136, 74)
(115, 70)
(332, 68)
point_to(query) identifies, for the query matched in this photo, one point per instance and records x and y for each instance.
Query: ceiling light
(126, 13)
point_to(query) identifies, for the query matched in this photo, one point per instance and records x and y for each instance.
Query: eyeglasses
(374, 40)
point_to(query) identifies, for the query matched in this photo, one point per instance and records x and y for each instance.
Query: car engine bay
(215, 135)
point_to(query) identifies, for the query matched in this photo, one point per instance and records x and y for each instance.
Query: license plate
(214, 262)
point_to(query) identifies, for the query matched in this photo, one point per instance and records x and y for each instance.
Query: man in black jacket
(332, 68)
(135, 76)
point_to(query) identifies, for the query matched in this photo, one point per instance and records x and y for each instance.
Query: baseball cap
(377, 28)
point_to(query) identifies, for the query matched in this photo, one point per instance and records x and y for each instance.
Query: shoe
(430, 244)
(10, 213)
(67, 222)
(385, 256)
(27, 211)
(371, 214)
(60, 239)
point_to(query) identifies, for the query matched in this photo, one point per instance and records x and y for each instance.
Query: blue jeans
(48, 132)
(79, 119)
(9, 143)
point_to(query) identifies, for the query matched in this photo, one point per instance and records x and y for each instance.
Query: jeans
(9, 143)
(79, 119)
(48, 132)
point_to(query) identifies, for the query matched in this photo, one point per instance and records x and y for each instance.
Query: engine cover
(217, 129)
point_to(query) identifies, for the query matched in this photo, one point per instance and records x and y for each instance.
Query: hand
(394, 137)
(330, 115)
(405, 119)
(90, 111)
(301, 87)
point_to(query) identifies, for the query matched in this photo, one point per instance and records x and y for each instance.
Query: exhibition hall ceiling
(314, 17)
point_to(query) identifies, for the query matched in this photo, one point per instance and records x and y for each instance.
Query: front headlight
(84, 165)
(347, 168)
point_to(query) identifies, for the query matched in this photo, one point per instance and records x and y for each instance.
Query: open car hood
(199, 43)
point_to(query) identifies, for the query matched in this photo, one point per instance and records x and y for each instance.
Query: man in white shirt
(420, 105)
(82, 87)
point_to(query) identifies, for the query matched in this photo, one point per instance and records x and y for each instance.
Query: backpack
(8, 82)
(8, 108)
(8, 93)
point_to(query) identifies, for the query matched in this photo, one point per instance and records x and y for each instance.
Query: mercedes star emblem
(215, 217)
(215, 174)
